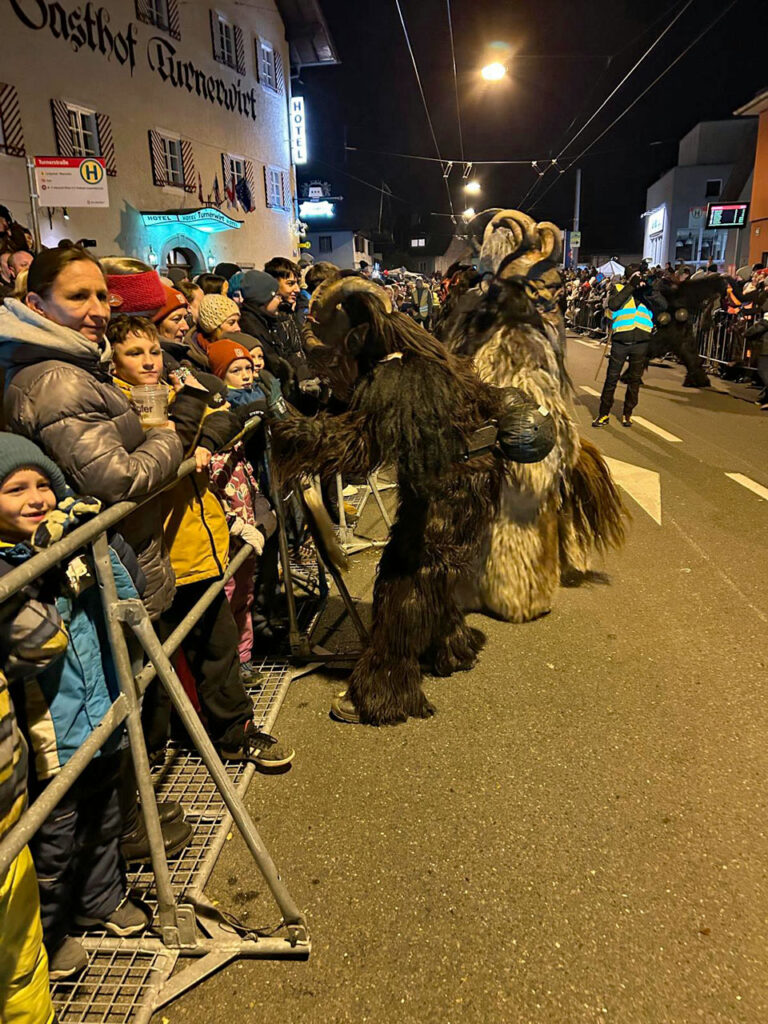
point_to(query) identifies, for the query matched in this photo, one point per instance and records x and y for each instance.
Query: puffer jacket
(194, 524)
(59, 395)
(59, 708)
(281, 340)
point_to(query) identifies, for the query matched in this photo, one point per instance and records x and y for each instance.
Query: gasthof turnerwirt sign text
(71, 181)
(88, 27)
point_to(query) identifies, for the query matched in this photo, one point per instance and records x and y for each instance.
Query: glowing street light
(473, 187)
(493, 72)
(468, 214)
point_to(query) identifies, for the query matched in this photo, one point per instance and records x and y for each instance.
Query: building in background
(187, 104)
(347, 249)
(758, 219)
(715, 161)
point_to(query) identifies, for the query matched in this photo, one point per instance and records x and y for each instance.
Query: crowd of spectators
(112, 377)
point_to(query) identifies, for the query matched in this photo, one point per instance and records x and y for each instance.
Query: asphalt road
(579, 835)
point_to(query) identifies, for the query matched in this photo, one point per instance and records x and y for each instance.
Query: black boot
(134, 846)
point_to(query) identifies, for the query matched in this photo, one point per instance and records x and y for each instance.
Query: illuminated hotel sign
(316, 208)
(727, 215)
(205, 219)
(656, 220)
(298, 130)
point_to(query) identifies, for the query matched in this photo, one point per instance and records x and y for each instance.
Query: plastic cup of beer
(151, 402)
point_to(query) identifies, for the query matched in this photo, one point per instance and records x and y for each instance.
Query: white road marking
(643, 485)
(758, 489)
(657, 430)
(589, 391)
(589, 344)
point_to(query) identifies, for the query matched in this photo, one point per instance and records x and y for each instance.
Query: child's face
(257, 356)
(138, 360)
(240, 373)
(26, 496)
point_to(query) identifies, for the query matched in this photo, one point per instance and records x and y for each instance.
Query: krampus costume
(554, 513)
(418, 408)
(675, 305)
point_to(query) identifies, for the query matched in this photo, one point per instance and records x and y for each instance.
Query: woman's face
(77, 299)
(138, 360)
(174, 326)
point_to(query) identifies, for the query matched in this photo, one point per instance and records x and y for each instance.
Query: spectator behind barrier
(57, 394)
(76, 849)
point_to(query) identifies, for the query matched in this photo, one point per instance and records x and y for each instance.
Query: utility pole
(576, 215)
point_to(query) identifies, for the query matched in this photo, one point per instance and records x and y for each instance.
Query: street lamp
(493, 72)
(469, 213)
(473, 187)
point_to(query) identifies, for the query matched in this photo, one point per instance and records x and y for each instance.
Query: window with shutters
(273, 178)
(83, 131)
(173, 164)
(11, 134)
(267, 66)
(163, 14)
(236, 170)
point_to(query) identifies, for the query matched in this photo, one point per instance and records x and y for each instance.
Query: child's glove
(248, 534)
(70, 513)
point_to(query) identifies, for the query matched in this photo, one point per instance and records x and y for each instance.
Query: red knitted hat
(173, 300)
(142, 294)
(221, 355)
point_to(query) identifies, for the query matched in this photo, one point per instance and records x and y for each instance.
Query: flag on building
(216, 192)
(229, 191)
(200, 188)
(244, 195)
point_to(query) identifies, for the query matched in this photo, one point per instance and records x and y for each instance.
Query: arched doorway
(181, 255)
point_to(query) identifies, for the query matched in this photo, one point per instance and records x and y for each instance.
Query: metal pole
(576, 216)
(167, 912)
(33, 197)
(135, 614)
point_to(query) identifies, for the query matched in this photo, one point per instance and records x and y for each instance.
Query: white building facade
(187, 104)
(713, 167)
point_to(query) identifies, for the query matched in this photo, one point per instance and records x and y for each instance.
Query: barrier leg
(135, 616)
(177, 924)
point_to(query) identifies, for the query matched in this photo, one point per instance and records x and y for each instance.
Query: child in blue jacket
(76, 850)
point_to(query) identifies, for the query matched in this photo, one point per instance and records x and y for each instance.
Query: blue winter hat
(17, 452)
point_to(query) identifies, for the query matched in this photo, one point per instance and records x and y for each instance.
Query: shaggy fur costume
(414, 407)
(554, 513)
(675, 305)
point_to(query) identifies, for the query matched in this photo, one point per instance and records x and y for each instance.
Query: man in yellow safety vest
(632, 325)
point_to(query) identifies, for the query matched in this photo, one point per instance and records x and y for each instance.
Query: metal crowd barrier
(132, 977)
(721, 340)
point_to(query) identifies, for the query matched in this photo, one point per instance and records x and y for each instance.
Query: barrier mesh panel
(117, 984)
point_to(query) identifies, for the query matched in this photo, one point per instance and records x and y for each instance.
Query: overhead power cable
(424, 101)
(455, 78)
(656, 80)
(610, 96)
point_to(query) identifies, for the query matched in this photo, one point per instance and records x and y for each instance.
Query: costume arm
(323, 445)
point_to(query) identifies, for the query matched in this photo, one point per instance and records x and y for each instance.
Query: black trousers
(211, 648)
(622, 352)
(76, 851)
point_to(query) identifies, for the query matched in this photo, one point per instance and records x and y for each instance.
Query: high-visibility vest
(632, 317)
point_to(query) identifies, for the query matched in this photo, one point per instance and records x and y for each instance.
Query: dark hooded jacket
(59, 395)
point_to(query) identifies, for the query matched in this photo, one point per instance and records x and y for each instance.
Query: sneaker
(600, 421)
(259, 748)
(764, 406)
(128, 918)
(68, 960)
(626, 421)
(343, 710)
(250, 675)
(134, 846)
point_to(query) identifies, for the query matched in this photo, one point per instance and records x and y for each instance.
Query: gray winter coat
(59, 394)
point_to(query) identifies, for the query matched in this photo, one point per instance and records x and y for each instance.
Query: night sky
(567, 57)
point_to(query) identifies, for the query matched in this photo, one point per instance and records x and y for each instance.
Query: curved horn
(475, 228)
(551, 241)
(517, 222)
